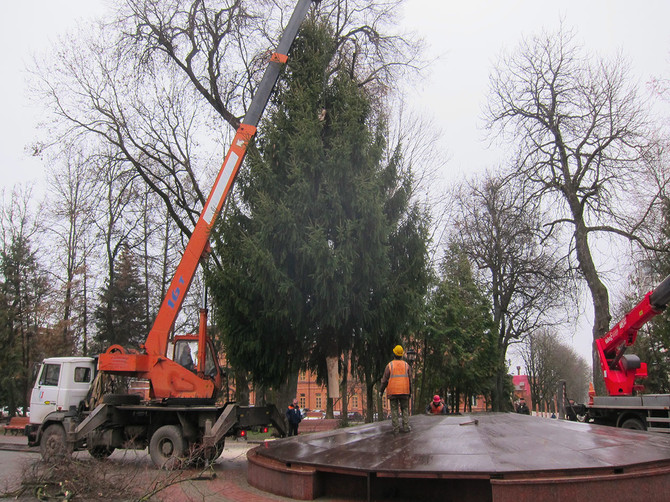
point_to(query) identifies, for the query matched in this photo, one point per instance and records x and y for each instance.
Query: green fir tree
(120, 317)
(317, 247)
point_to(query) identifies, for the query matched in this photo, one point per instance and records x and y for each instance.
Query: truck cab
(62, 382)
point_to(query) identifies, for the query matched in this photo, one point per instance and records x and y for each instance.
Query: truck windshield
(50, 374)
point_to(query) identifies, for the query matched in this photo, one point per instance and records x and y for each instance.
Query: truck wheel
(633, 423)
(167, 447)
(206, 455)
(53, 445)
(101, 452)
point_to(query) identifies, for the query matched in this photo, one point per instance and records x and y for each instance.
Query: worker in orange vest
(436, 406)
(397, 381)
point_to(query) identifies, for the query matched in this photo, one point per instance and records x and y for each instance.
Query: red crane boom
(620, 370)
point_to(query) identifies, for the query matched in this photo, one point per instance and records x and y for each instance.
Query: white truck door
(44, 397)
(75, 383)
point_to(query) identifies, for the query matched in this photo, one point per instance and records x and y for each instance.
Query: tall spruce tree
(23, 307)
(9, 357)
(309, 257)
(120, 316)
(460, 346)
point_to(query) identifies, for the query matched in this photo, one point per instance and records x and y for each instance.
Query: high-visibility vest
(399, 380)
(436, 410)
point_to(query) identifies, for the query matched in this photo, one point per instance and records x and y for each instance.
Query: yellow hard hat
(398, 351)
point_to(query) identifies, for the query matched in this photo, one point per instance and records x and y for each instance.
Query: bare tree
(499, 227)
(221, 47)
(158, 247)
(582, 137)
(145, 121)
(369, 45)
(548, 361)
(116, 219)
(164, 74)
(73, 191)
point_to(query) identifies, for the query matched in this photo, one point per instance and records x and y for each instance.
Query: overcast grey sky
(467, 36)
(29, 28)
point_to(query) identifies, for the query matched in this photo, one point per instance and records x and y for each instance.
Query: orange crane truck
(180, 419)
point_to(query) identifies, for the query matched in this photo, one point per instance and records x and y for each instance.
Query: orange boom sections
(167, 378)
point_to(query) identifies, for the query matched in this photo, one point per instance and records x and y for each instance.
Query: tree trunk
(287, 392)
(85, 311)
(67, 310)
(241, 387)
(165, 279)
(370, 399)
(380, 407)
(344, 416)
(145, 263)
(599, 293)
(260, 395)
(422, 391)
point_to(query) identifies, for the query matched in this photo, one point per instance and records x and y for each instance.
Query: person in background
(570, 412)
(522, 407)
(436, 406)
(294, 417)
(185, 358)
(397, 381)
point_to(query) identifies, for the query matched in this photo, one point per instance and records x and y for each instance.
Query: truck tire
(121, 399)
(633, 423)
(168, 447)
(201, 455)
(53, 446)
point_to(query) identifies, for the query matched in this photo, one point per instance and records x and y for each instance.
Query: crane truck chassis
(625, 406)
(649, 412)
(180, 418)
(175, 433)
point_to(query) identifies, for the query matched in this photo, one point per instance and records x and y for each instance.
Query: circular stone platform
(494, 456)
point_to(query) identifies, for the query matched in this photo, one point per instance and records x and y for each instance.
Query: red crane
(620, 370)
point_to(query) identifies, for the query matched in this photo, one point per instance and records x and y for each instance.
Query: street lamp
(410, 355)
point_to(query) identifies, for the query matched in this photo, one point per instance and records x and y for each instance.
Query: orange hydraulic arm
(167, 378)
(156, 342)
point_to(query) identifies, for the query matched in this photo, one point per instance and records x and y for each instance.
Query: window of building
(354, 402)
(302, 376)
(318, 402)
(302, 400)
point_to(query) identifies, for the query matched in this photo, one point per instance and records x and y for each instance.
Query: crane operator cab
(185, 351)
(184, 358)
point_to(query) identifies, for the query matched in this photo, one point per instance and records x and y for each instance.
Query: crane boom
(167, 378)
(620, 370)
(157, 339)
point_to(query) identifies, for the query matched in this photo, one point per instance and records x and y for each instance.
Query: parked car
(313, 414)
